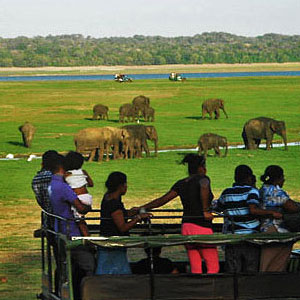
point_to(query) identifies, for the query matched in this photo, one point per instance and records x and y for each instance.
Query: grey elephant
(149, 114)
(209, 141)
(140, 103)
(132, 147)
(262, 128)
(103, 139)
(28, 131)
(128, 111)
(144, 133)
(100, 111)
(211, 106)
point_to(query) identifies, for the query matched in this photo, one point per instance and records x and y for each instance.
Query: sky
(106, 18)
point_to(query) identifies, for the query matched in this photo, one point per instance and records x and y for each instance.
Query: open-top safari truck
(122, 78)
(166, 286)
(176, 77)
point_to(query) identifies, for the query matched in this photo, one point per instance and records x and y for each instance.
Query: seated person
(115, 222)
(241, 204)
(161, 265)
(274, 257)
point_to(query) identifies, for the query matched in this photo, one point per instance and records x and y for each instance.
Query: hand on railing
(208, 216)
(143, 216)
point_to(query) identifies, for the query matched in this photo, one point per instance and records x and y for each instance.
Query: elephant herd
(128, 112)
(125, 142)
(254, 130)
(130, 140)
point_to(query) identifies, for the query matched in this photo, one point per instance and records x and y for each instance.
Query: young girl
(78, 180)
(274, 258)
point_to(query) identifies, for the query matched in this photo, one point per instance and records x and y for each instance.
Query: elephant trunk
(225, 113)
(226, 150)
(155, 147)
(284, 139)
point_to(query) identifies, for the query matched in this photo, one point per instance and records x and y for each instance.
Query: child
(78, 180)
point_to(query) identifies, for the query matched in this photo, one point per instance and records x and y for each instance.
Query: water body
(146, 76)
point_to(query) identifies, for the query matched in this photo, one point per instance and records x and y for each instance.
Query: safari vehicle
(167, 286)
(122, 78)
(176, 77)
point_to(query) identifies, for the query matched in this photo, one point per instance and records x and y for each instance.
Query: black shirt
(109, 206)
(189, 191)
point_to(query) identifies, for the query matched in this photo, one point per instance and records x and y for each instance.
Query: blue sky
(100, 18)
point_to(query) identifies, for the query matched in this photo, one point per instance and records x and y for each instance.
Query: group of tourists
(61, 188)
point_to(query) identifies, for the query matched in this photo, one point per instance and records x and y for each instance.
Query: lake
(147, 76)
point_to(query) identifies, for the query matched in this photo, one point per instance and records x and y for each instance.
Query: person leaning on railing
(196, 196)
(62, 197)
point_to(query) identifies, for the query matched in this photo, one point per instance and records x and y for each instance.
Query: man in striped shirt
(240, 205)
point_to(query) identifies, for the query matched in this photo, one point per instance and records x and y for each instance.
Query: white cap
(9, 156)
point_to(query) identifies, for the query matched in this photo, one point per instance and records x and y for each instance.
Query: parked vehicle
(122, 78)
(176, 77)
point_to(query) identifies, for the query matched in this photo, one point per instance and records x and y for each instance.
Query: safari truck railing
(169, 286)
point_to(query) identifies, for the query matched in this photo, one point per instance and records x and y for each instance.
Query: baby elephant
(149, 114)
(128, 111)
(27, 130)
(100, 111)
(212, 141)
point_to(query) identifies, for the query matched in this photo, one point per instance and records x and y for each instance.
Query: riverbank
(151, 69)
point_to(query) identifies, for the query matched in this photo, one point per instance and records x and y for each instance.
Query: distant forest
(205, 48)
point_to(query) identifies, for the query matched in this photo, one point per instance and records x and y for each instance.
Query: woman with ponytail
(274, 258)
(115, 222)
(196, 196)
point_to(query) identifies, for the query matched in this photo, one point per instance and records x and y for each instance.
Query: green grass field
(59, 109)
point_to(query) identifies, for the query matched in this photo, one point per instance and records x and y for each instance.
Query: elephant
(28, 131)
(149, 114)
(132, 147)
(262, 128)
(128, 110)
(102, 139)
(100, 111)
(140, 102)
(212, 141)
(143, 133)
(211, 106)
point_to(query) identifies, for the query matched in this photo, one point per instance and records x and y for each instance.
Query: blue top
(234, 202)
(62, 197)
(273, 198)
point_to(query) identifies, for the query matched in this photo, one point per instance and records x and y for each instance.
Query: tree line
(205, 48)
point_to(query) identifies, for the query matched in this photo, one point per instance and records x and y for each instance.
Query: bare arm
(161, 200)
(118, 218)
(291, 207)
(204, 192)
(88, 179)
(82, 208)
(254, 210)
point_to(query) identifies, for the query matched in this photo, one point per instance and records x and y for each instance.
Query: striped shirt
(273, 198)
(234, 202)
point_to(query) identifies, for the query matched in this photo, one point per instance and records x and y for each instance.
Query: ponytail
(194, 161)
(272, 173)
